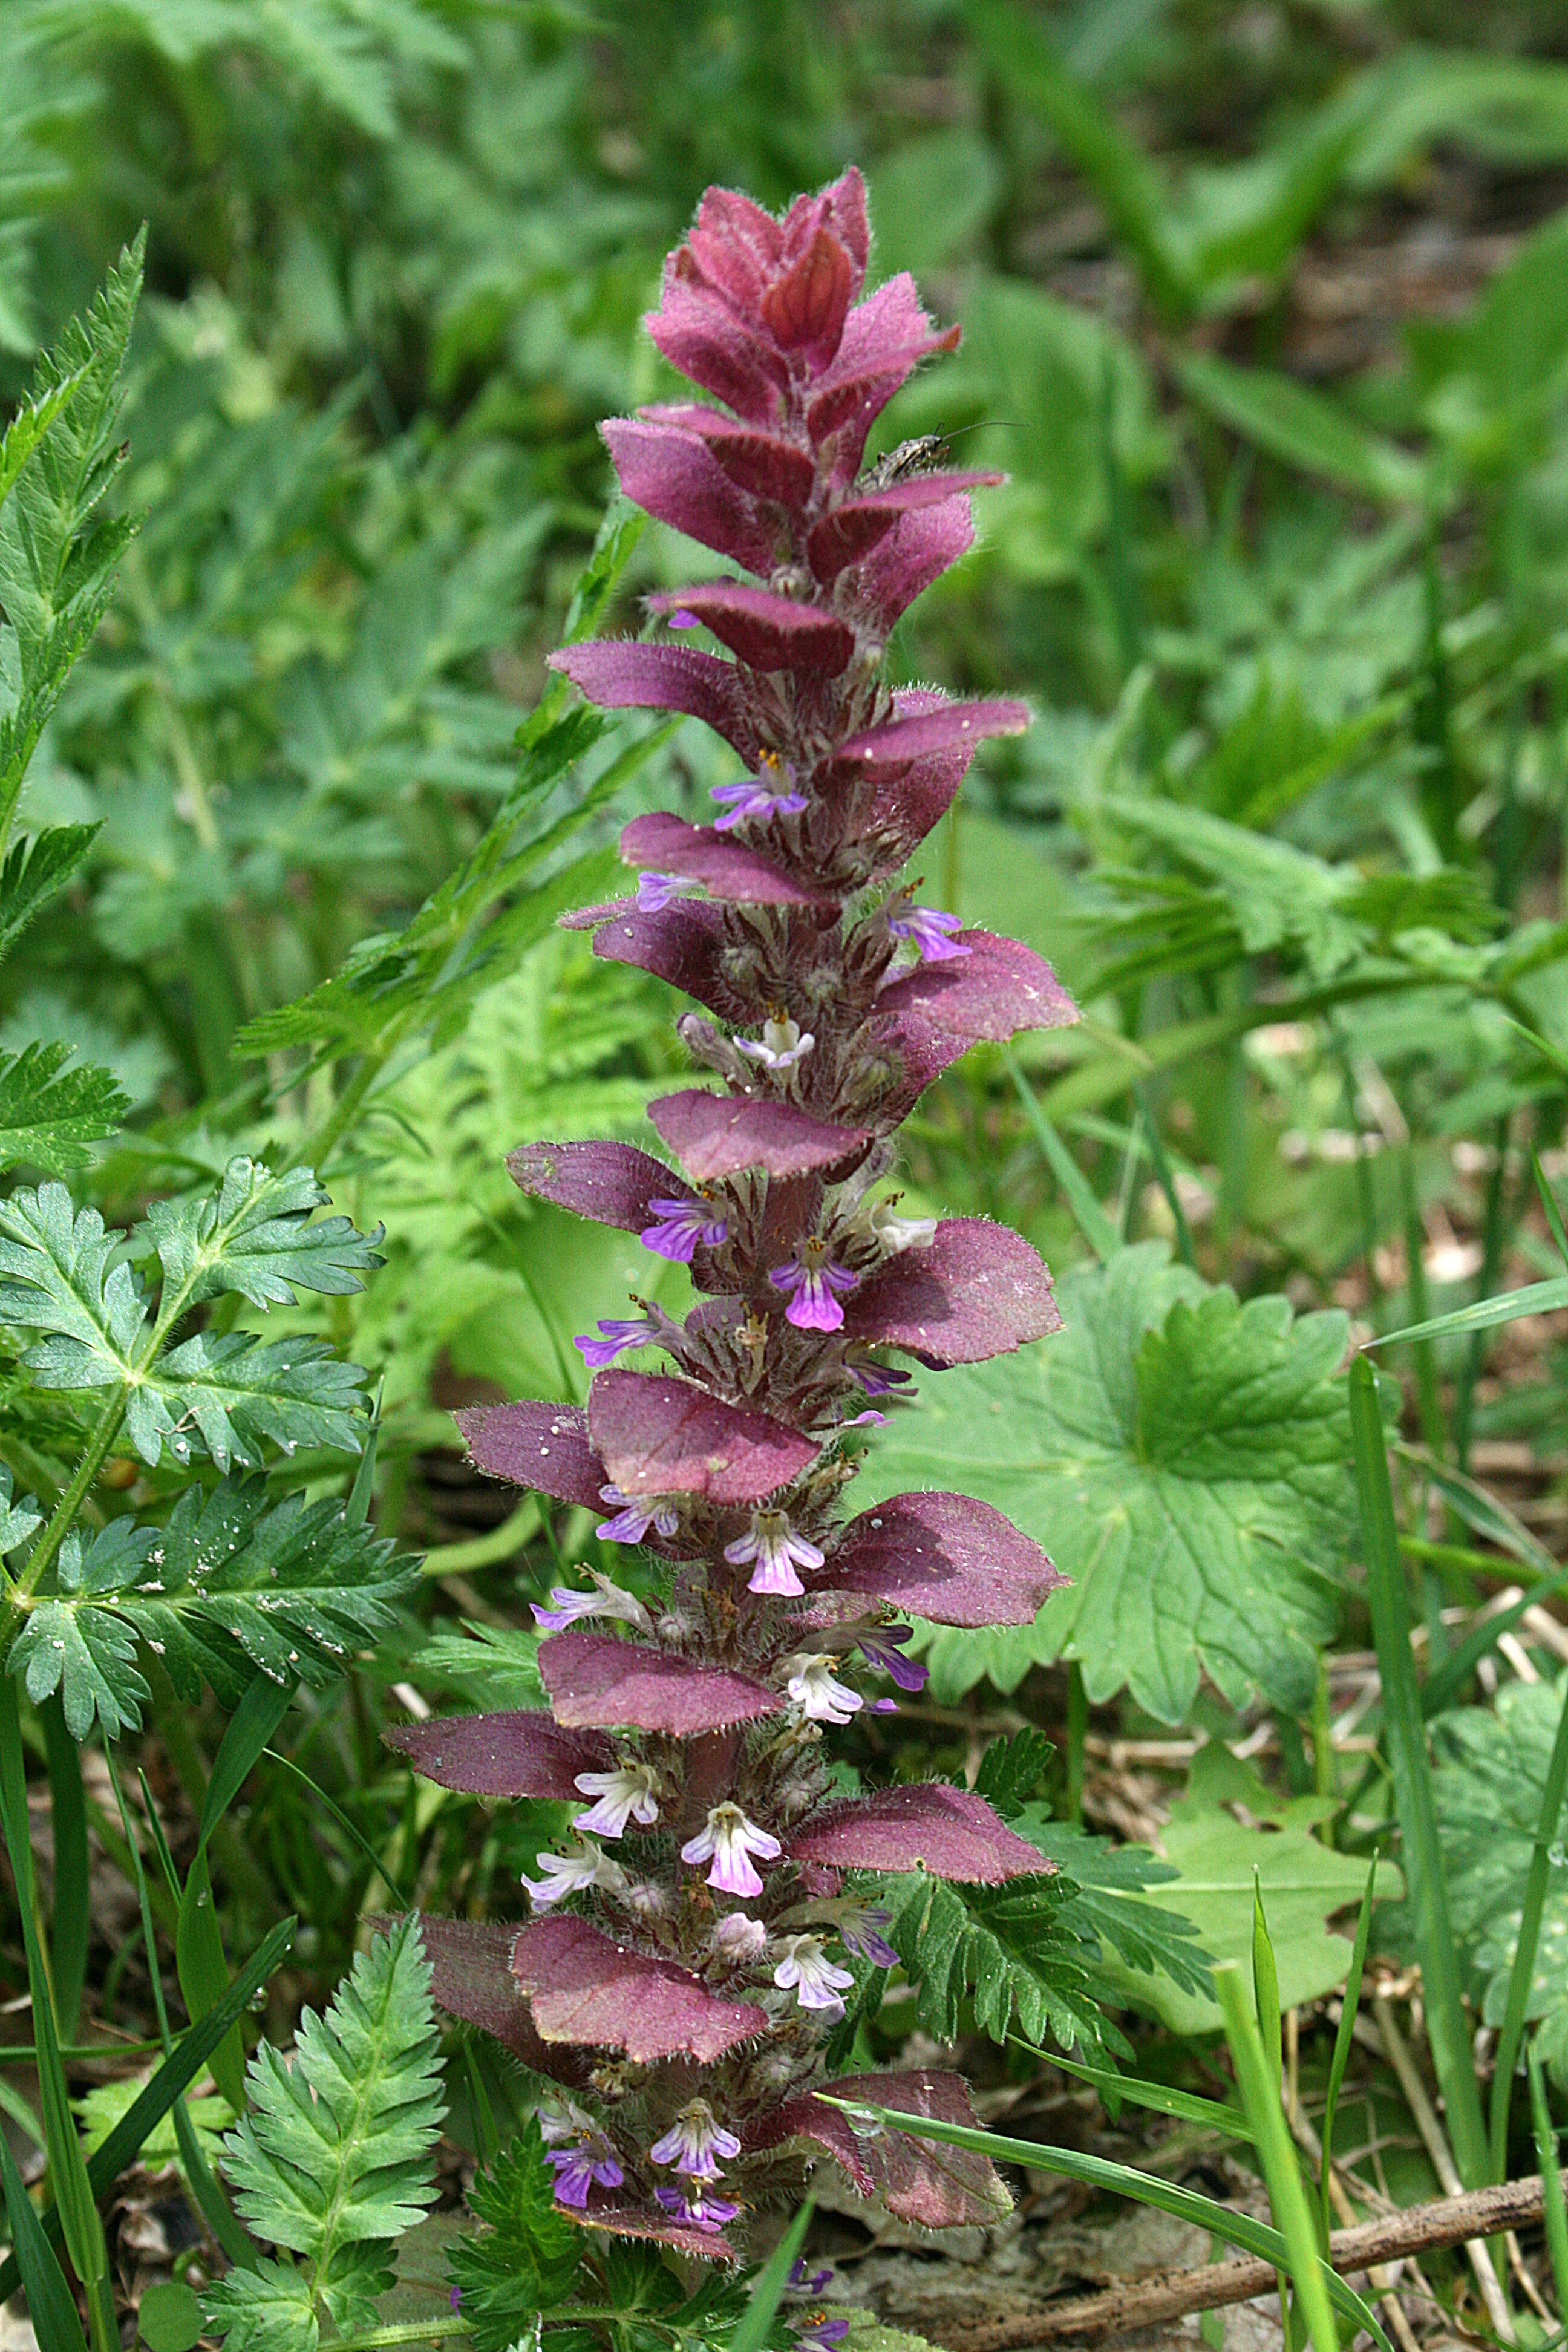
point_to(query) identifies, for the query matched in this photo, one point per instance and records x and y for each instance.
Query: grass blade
(1266, 1985)
(1554, 2213)
(1510, 2033)
(1260, 2097)
(768, 2286)
(1090, 1219)
(1446, 1683)
(1184, 2106)
(1344, 2035)
(1236, 2228)
(1405, 1732)
(1535, 1298)
(70, 1914)
(52, 2307)
(178, 2071)
(1549, 1202)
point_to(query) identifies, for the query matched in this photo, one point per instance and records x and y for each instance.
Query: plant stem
(63, 1518)
(1523, 1972)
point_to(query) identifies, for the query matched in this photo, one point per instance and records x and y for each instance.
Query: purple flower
(621, 1332)
(655, 892)
(625, 1795)
(702, 2212)
(636, 1514)
(729, 1841)
(813, 1278)
(606, 1600)
(881, 1649)
(892, 1234)
(806, 1970)
(881, 1379)
(811, 1685)
(798, 2283)
(759, 797)
(820, 2334)
(694, 2142)
(929, 930)
(778, 1551)
(858, 1924)
(583, 2157)
(680, 1225)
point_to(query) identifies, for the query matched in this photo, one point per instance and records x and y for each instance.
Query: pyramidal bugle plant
(688, 1954)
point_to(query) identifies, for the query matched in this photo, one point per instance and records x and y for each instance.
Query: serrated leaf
(268, 2309)
(1219, 1863)
(1004, 1946)
(1183, 1460)
(255, 1236)
(1488, 1784)
(333, 2158)
(51, 1114)
(35, 868)
(527, 2257)
(226, 1587)
(1106, 1911)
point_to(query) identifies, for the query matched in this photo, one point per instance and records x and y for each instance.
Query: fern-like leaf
(227, 1586)
(333, 2158)
(1004, 1946)
(52, 1113)
(526, 2259)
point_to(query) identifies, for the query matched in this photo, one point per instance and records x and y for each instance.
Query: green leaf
(333, 2158)
(527, 2257)
(255, 1236)
(51, 1114)
(63, 1275)
(1183, 1459)
(1488, 1784)
(1214, 1858)
(1303, 428)
(50, 2302)
(34, 870)
(56, 562)
(1106, 1911)
(169, 2318)
(226, 1587)
(1010, 1770)
(1258, 2080)
(1003, 1948)
(268, 2309)
(1486, 1313)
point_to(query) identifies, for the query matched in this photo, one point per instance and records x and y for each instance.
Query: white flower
(806, 1970)
(606, 1600)
(729, 1841)
(810, 1683)
(626, 1794)
(783, 1045)
(568, 1873)
(893, 1234)
(778, 1551)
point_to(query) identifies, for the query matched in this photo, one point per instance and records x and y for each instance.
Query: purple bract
(687, 1959)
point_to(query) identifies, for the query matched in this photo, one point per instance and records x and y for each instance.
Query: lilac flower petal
(979, 1290)
(926, 1825)
(545, 1446)
(714, 1136)
(764, 631)
(516, 1753)
(728, 868)
(660, 1436)
(946, 1558)
(620, 675)
(601, 1682)
(583, 1988)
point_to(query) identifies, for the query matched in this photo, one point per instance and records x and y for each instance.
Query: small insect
(924, 454)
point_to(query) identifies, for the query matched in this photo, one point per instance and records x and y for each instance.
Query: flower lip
(636, 1513)
(606, 1600)
(678, 1225)
(815, 1282)
(728, 1843)
(694, 2143)
(805, 1970)
(929, 929)
(625, 1795)
(777, 1550)
(619, 1333)
(811, 1685)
